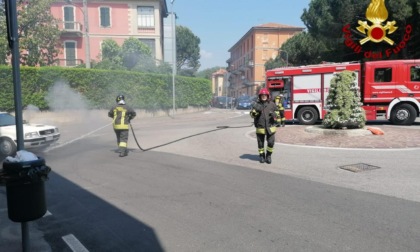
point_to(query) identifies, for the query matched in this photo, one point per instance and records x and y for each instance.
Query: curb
(338, 132)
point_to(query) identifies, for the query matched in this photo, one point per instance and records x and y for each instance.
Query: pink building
(117, 20)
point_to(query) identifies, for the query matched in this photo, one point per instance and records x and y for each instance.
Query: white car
(35, 135)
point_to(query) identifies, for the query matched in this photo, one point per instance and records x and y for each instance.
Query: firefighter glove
(253, 113)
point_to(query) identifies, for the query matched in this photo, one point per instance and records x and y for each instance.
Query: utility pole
(86, 31)
(173, 56)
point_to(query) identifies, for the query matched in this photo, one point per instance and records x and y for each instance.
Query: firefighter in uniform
(280, 110)
(121, 114)
(264, 114)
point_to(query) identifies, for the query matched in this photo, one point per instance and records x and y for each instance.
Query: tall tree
(111, 51)
(133, 55)
(301, 49)
(4, 45)
(38, 33)
(134, 52)
(187, 51)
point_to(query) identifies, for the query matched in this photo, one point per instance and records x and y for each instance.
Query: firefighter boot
(283, 123)
(262, 158)
(268, 157)
(123, 152)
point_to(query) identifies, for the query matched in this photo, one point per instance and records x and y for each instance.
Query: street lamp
(287, 56)
(173, 56)
(85, 30)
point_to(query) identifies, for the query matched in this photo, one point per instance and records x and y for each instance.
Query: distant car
(223, 102)
(34, 135)
(244, 102)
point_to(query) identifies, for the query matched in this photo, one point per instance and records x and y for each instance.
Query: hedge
(98, 88)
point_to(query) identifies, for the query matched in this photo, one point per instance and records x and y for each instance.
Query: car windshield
(244, 98)
(6, 120)
(223, 99)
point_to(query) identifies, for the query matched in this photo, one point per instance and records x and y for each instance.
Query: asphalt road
(199, 187)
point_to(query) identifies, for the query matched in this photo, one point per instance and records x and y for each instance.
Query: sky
(221, 23)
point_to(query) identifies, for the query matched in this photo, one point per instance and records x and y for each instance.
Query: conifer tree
(343, 103)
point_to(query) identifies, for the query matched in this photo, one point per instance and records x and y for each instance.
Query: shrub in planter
(343, 103)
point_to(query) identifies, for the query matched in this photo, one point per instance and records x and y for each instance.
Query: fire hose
(217, 128)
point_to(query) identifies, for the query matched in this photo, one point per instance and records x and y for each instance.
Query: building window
(68, 17)
(146, 16)
(264, 55)
(70, 53)
(151, 44)
(105, 18)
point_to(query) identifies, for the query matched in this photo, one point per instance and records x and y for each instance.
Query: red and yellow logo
(377, 13)
(375, 30)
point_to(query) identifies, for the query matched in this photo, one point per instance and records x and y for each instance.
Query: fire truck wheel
(404, 114)
(307, 116)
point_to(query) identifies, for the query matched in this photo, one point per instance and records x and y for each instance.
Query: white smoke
(62, 97)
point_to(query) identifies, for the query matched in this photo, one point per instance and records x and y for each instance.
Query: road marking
(47, 213)
(76, 139)
(74, 244)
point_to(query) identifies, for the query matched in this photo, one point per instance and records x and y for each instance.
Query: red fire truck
(390, 89)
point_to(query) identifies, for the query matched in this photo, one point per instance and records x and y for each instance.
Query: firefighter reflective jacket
(122, 114)
(264, 114)
(279, 101)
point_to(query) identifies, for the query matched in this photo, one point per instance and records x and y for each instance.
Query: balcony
(71, 29)
(69, 62)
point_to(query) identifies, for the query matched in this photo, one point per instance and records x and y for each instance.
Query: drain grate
(359, 167)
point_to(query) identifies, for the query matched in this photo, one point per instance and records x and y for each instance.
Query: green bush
(99, 88)
(343, 102)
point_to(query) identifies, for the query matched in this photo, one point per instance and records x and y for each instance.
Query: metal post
(173, 56)
(13, 38)
(86, 30)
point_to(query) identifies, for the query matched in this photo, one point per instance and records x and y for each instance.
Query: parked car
(244, 102)
(223, 102)
(35, 135)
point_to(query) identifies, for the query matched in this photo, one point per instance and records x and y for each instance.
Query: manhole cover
(359, 167)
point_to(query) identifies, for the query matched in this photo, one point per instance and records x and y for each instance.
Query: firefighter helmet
(264, 91)
(120, 98)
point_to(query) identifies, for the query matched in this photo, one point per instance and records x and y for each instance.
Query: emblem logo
(377, 13)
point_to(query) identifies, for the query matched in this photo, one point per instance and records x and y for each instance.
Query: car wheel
(307, 115)
(403, 114)
(7, 147)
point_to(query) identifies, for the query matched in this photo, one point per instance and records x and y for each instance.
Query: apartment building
(86, 23)
(246, 71)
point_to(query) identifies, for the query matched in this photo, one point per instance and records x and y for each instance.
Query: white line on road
(74, 244)
(78, 138)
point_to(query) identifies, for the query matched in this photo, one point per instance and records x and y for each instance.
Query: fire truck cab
(389, 89)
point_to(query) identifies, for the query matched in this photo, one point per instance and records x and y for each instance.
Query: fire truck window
(383, 74)
(415, 73)
(286, 101)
